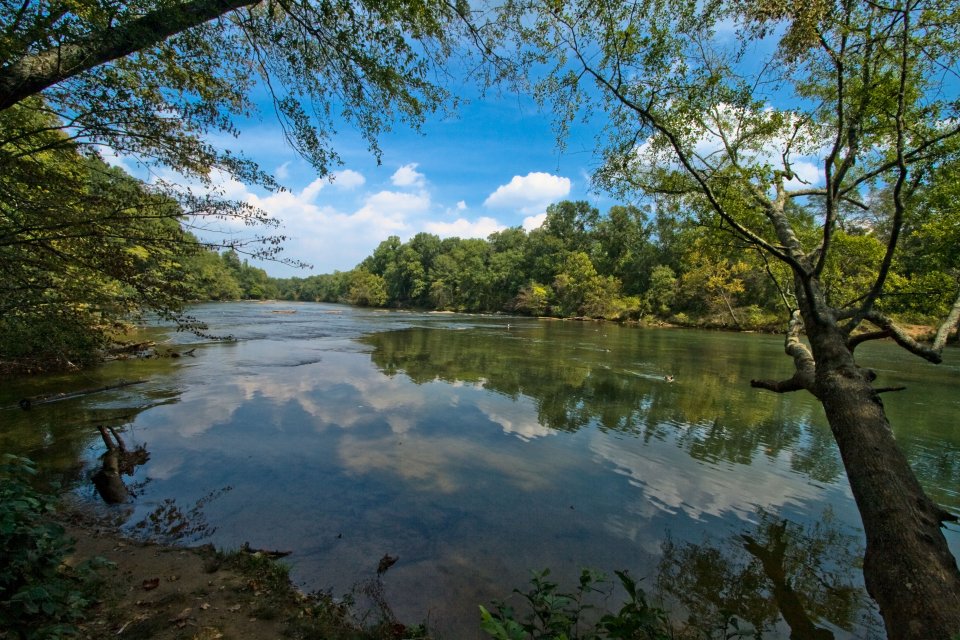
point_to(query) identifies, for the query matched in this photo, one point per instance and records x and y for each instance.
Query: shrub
(39, 596)
(557, 615)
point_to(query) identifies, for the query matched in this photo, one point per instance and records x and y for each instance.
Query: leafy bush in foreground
(555, 615)
(39, 596)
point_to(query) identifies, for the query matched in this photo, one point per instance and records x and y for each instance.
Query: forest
(628, 264)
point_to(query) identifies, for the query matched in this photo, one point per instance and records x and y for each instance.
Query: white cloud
(391, 209)
(324, 224)
(461, 206)
(463, 228)
(530, 194)
(348, 179)
(283, 171)
(408, 176)
(534, 222)
(311, 191)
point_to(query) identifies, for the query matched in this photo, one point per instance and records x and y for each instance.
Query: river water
(477, 448)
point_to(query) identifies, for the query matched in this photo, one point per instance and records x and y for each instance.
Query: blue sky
(491, 165)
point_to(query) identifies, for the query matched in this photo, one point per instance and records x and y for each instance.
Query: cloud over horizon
(530, 194)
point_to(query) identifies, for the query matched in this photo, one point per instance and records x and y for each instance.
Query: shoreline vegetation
(70, 572)
(167, 591)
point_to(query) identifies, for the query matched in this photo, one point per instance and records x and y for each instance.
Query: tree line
(631, 264)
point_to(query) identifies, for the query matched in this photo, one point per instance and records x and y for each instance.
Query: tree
(580, 291)
(150, 78)
(851, 100)
(156, 81)
(623, 249)
(83, 246)
(208, 278)
(366, 289)
(660, 295)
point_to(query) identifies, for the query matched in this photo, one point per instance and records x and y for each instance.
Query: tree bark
(908, 568)
(32, 73)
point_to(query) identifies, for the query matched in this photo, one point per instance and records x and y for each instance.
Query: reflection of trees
(780, 571)
(575, 380)
(58, 435)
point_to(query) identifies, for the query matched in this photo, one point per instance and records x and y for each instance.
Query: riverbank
(160, 592)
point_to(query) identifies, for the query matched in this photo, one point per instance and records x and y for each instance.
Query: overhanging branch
(803, 360)
(860, 338)
(901, 337)
(33, 73)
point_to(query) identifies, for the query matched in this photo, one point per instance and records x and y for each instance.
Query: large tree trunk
(32, 72)
(908, 568)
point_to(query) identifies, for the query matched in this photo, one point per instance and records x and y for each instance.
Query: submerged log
(28, 403)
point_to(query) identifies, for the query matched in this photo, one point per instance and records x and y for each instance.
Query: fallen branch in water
(28, 403)
(246, 548)
(889, 389)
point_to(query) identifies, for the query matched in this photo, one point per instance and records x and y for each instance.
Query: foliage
(591, 260)
(84, 247)
(40, 597)
(557, 615)
(178, 71)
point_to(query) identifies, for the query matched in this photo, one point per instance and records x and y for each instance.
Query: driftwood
(246, 548)
(28, 403)
(117, 462)
(135, 347)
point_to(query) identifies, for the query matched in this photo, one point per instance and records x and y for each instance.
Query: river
(478, 448)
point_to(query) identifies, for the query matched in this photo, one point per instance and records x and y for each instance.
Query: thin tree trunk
(736, 320)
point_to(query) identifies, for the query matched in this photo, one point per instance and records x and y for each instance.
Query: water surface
(477, 448)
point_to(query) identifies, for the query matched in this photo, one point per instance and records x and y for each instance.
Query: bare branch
(888, 389)
(802, 360)
(901, 338)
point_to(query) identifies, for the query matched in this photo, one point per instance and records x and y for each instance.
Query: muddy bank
(164, 592)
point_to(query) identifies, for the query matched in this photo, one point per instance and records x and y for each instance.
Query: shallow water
(478, 448)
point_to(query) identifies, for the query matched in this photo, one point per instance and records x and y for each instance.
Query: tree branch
(802, 360)
(854, 341)
(35, 72)
(901, 338)
(898, 203)
(948, 326)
